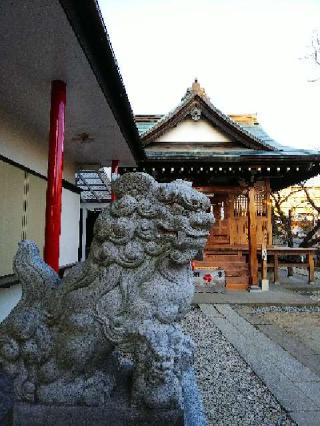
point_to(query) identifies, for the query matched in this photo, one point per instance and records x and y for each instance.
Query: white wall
(69, 240)
(26, 148)
(193, 131)
(9, 297)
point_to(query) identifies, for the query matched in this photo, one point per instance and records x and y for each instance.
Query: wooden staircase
(234, 265)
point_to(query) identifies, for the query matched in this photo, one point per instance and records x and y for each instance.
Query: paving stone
(255, 320)
(306, 418)
(289, 343)
(312, 390)
(212, 311)
(311, 361)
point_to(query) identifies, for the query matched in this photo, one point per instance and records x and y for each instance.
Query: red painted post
(55, 172)
(114, 173)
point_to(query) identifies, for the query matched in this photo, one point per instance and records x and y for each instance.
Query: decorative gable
(196, 122)
(194, 131)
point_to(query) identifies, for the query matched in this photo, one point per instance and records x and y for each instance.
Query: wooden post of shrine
(311, 267)
(252, 237)
(269, 213)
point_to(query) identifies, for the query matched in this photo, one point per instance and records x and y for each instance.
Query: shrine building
(237, 164)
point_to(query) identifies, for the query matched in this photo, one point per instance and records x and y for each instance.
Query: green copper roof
(144, 126)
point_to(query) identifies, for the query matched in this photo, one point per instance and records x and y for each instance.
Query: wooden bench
(272, 252)
(275, 252)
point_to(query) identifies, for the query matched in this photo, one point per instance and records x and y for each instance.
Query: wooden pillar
(269, 213)
(252, 237)
(276, 269)
(55, 171)
(311, 267)
(231, 218)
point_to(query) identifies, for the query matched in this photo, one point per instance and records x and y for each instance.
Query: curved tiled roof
(150, 126)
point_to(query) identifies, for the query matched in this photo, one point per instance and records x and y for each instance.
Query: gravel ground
(289, 309)
(232, 393)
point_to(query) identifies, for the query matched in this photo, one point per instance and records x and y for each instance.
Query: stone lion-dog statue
(110, 326)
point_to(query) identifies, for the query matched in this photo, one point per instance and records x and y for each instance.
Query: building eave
(87, 23)
(256, 157)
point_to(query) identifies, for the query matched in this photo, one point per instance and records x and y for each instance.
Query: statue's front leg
(162, 354)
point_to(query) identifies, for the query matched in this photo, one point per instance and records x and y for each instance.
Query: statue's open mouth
(195, 232)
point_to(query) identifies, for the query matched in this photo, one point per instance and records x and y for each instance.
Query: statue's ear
(134, 184)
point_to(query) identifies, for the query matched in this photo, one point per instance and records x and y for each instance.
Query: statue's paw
(28, 391)
(23, 323)
(91, 391)
(9, 349)
(49, 372)
(164, 395)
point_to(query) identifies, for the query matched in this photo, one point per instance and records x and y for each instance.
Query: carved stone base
(117, 413)
(49, 415)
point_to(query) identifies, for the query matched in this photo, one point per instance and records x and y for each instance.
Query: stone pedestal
(49, 415)
(265, 285)
(117, 413)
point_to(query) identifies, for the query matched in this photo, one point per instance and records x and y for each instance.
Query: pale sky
(245, 53)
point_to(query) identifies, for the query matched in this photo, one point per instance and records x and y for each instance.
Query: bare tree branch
(282, 220)
(314, 53)
(310, 200)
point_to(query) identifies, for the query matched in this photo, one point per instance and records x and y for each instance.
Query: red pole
(114, 173)
(55, 172)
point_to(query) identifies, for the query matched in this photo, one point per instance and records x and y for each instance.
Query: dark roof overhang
(86, 21)
(255, 157)
(281, 170)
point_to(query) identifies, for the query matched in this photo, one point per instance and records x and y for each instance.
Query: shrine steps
(235, 267)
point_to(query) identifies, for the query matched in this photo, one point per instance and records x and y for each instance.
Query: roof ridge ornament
(195, 89)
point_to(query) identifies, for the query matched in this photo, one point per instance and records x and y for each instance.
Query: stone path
(295, 386)
(295, 328)
(277, 295)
